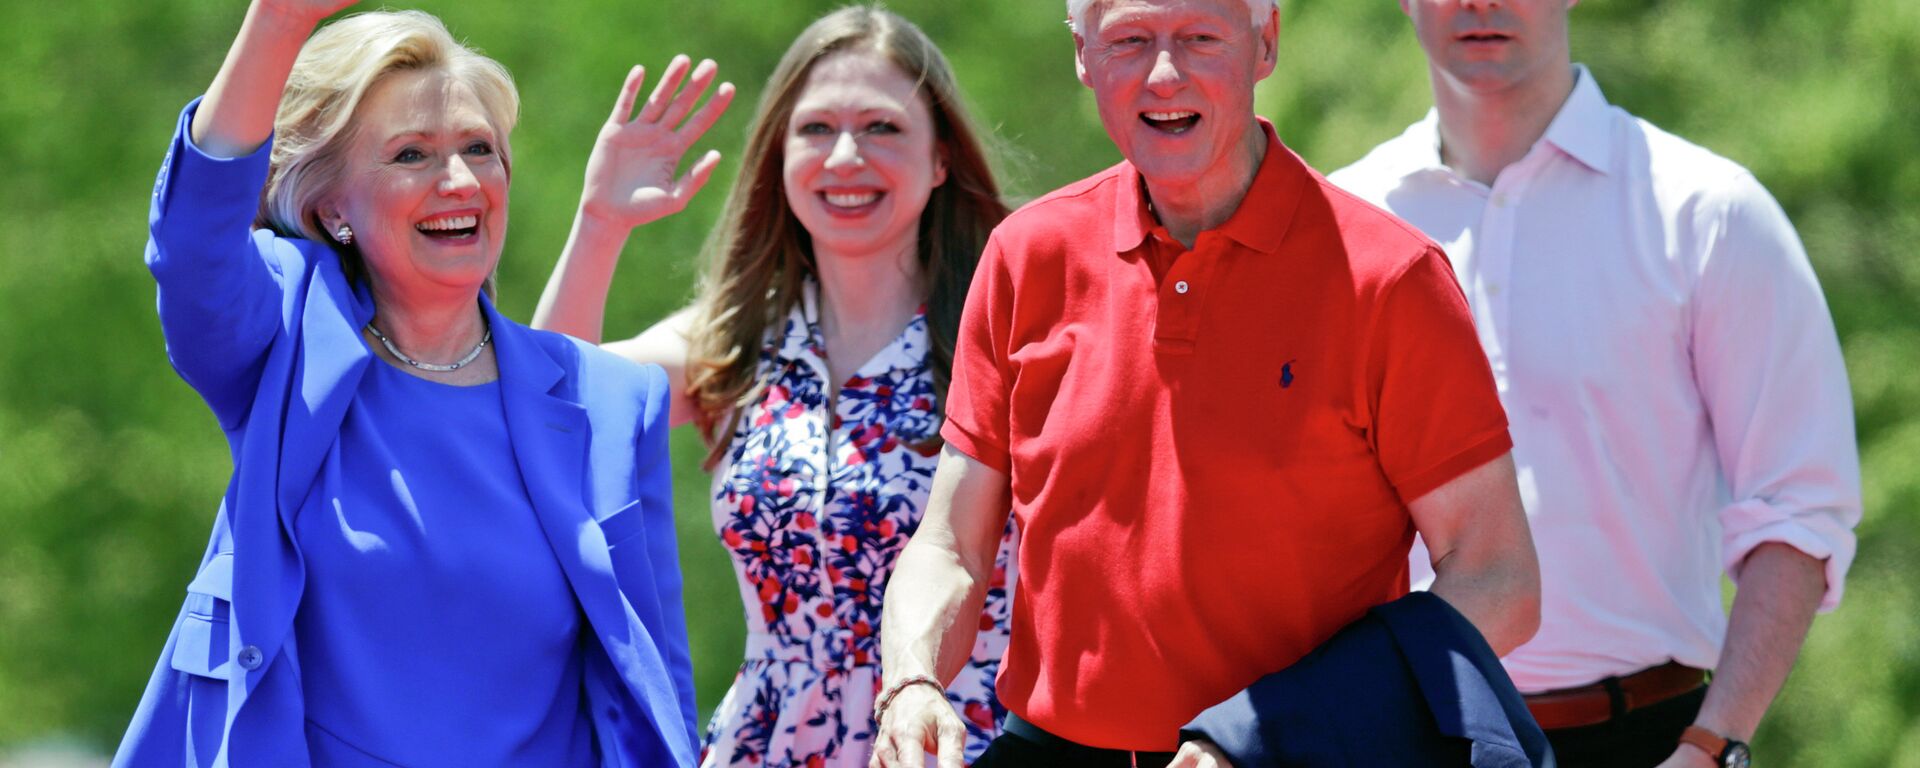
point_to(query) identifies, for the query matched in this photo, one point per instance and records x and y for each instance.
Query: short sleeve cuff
(1489, 446)
(1818, 534)
(976, 447)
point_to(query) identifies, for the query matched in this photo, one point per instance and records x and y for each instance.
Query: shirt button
(1180, 287)
(250, 657)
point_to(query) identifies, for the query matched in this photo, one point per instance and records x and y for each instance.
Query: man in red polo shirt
(1220, 396)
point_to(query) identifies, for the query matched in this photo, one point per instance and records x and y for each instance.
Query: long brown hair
(760, 256)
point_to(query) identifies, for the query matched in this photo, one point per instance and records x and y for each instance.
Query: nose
(845, 156)
(460, 181)
(1165, 79)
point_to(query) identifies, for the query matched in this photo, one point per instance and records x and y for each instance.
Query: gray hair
(1261, 10)
(336, 68)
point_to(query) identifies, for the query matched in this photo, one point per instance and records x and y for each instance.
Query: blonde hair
(760, 255)
(336, 69)
(1077, 13)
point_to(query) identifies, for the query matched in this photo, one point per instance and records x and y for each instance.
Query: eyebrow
(1177, 19)
(862, 112)
(422, 133)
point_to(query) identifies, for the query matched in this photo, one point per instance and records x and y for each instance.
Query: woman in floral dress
(815, 359)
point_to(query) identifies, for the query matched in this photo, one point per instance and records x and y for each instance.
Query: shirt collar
(1583, 128)
(1261, 221)
(800, 339)
(1422, 144)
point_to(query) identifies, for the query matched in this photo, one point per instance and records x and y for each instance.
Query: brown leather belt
(1615, 696)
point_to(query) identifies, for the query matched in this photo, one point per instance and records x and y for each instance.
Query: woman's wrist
(596, 239)
(282, 21)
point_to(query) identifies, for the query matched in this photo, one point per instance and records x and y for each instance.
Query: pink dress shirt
(1670, 371)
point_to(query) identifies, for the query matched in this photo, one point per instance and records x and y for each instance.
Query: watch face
(1736, 756)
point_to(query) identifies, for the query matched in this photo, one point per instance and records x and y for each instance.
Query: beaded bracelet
(886, 699)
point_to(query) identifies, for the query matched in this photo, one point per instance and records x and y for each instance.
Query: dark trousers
(1638, 739)
(1023, 745)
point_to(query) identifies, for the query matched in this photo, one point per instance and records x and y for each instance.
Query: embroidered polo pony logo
(1286, 375)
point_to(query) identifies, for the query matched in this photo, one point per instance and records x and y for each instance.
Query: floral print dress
(815, 505)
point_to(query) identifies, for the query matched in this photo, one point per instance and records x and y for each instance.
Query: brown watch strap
(1712, 743)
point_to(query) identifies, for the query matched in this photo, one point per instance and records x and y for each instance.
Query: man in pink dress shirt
(1677, 398)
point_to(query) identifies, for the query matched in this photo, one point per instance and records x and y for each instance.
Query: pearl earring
(344, 235)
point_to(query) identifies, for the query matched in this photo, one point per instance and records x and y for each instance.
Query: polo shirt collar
(1260, 223)
(1131, 219)
(1583, 127)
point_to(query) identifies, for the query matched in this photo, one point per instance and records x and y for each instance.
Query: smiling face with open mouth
(1174, 82)
(1490, 45)
(861, 157)
(424, 186)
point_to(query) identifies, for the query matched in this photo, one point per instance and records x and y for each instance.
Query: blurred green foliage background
(110, 467)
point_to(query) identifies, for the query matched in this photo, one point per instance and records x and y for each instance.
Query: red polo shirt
(1210, 469)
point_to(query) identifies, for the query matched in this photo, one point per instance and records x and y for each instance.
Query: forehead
(1107, 13)
(859, 79)
(423, 101)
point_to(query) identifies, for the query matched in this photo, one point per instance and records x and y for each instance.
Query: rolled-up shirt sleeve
(219, 280)
(1768, 365)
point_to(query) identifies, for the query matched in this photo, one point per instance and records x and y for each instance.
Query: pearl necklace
(436, 368)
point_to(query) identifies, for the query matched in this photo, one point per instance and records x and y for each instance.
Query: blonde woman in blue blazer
(447, 540)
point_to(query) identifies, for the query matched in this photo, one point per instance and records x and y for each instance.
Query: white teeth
(452, 222)
(1164, 116)
(851, 199)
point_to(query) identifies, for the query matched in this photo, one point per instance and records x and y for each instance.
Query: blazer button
(250, 658)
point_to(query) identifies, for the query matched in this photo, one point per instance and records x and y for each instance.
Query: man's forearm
(1780, 588)
(929, 616)
(1484, 563)
(925, 629)
(1501, 600)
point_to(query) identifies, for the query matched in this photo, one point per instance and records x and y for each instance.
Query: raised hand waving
(631, 175)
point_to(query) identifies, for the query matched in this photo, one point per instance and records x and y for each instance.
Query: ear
(940, 157)
(1080, 59)
(329, 216)
(1269, 45)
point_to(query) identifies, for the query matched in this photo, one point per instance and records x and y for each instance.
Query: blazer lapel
(331, 359)
(328, 361)
(551, 441)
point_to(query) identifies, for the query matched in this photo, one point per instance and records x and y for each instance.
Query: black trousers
(1638, 739)
(1022, 745)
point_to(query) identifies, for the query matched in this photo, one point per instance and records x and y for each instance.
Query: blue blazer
(267, 330)
(1410, 684)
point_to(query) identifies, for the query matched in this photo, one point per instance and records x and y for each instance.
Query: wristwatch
(1727, 753)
